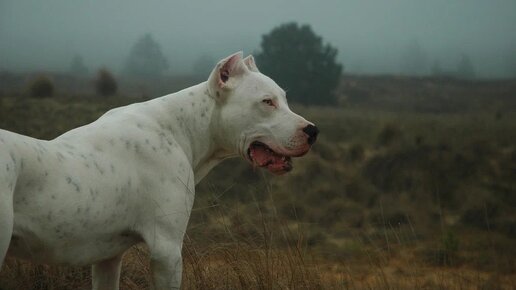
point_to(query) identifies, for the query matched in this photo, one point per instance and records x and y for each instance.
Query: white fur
(129, 177)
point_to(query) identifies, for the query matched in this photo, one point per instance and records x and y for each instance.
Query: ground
(411, 185)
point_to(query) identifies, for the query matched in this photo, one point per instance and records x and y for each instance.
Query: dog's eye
(269, 102)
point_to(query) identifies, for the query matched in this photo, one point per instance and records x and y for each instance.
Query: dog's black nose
(312, 132)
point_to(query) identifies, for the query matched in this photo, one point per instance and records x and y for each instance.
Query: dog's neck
(189, 115)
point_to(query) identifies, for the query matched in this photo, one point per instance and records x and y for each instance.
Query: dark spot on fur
(73, 183)
(97, 166)
(60, 156)
(13, 158)
(136, 148)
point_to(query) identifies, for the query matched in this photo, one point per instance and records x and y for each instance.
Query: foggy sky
(370, 35)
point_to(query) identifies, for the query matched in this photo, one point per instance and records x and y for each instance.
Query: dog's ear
(226, 73)
(251, 65)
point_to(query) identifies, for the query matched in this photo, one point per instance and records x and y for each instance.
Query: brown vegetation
(105, 83)
(41, 87)
(411, 185)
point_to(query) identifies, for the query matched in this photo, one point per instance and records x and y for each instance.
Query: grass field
(411, 185)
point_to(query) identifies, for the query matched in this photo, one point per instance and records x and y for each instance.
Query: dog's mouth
(262, 155)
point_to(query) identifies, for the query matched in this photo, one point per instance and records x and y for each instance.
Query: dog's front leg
(106, 274)
(166, 265)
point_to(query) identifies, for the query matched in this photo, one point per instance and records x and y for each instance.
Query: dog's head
(253, 118)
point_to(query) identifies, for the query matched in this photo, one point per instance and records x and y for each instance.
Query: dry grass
(276, 257)
(234, 265)
(238, 266)
(410, 186)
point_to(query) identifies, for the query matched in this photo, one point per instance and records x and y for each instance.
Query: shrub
(105, 83)
(41, 87)
(389, 135)
(447, 254)
(480, 215)
(389, 219)
(356, 153)
(450, 247)
(419, 140)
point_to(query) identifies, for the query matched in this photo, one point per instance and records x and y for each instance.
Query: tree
(465, 68)
(414, 59)
(437, 71)
(296, 58)
(146, 59)
(77, 66)
(105, 83)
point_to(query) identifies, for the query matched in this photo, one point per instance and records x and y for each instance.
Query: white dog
(87, 196)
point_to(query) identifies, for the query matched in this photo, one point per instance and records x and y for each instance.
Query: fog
(371, 36)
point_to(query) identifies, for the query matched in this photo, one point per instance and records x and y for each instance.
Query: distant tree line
(464, 69)
(291, 54)
(414, 62)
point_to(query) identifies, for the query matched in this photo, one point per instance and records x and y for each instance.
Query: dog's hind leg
(8, 174)
(7, 185)
(106, 274)
(6, 221)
